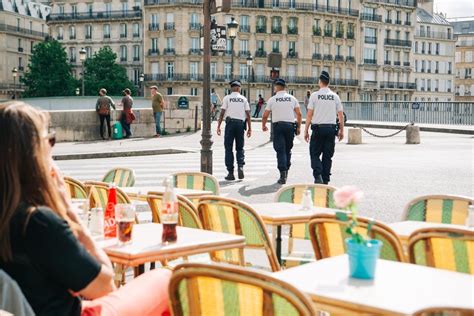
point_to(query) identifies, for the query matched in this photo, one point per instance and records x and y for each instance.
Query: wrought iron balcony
(59, 37)
(317, 56)
(293, 30)
(72, 59)
(350, 35)
(20, 49)
(389, 21)
(371, 17)
(397, 42)
(101, 15)
(396, 63)
(406, 63)
(123, 35)
(387, 62)
(276, 29)
(136, 58)
(244, 28)
(169, 26)
(339, 58)
(292, 55)
(398, 85)
(88, 36)
(328, 33)
(327, 57)
(153, 52)
(153, 27)
(195, 51)
(371, 40)
(244, 53)
(409, 3)
(370, 61)
(317, 31)
(260, 53)
(72, 37)
(339, 34)
(195, 26)
(350, 59)
(123, 59)
(261, 29)
(399, 22)
(14, 29)
(106, 35)
(169, 51)
(407, 23)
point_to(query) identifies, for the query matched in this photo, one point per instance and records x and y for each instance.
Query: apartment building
(464, 62)
(92, 25)
(22, 25)
(386, 58)
(311, 36)
(434, 49)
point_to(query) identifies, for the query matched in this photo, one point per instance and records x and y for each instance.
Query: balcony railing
(195, 51)
(123, 35)
(327, 57)
(276, 29)
(293, 30)
(397, 42)
(169, 51)
(72, 59)
(317, 56)
(407, 23)
(153, 52)
(244, 28)
(261, 29)
(396, 63)
(406, 63)
(371, 40)
(350, 35)
(317, 31)
(408, 3)
(244, 53)
(13, 29)
(106, 35)
(260, 53)
(370, 61)
(135, 35)
(387, 62)
(350, 59)
(88, 36)
(433, 34)
(60, 37)
(136, 58)
(20, 49)
(328, 33)
(339, 58)
(153, 27)
(21, 68)
(371, 17)
(195, 26)
(399, 22)
(72, 37)
(292, 55)
(339, 34)
(101, 15)
(123, 59)
(397, 85)
(388, 21)
(169, 26)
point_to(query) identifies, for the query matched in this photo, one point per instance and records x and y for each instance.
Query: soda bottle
(169, 212)
(110, 227)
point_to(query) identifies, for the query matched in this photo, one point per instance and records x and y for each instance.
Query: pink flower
(346, 196)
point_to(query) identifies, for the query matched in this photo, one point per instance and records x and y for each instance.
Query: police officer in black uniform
(286, 117)
(323, 108)
(236, 110)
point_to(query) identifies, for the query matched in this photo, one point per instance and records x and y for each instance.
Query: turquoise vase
(363, 258)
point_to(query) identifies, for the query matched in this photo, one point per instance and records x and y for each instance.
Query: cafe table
(140, 193)
(277, 214)
(397, 289)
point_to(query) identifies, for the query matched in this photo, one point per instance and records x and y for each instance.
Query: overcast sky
(455, 8)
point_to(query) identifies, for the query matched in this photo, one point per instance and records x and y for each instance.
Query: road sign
(415, 105)
(218, 37)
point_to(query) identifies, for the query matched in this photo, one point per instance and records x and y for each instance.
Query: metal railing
(169, 26)
(443, 113)
(371, 40)
(153, 27)
(371, 17)
(317, 56)
(95, 15)
(13, 29)
(433, 34)
(397, 42)
(409, 3)
(260, 53)
(293, 30)
(195, 26)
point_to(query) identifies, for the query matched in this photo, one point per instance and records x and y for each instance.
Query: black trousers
(323, 141)
(283, 136)
(234, 131)
(104, 118)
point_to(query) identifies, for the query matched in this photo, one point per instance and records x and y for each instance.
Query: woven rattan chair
(443, 248)
(445, 311)
(99, 192)
(216, 289)
(122, 177)
(322, 197)
(238, 218)
(447, 209)
(328, 235)
(196, 181)
(187, 210)
(75, 189)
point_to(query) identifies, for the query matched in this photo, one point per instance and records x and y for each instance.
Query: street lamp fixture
(14, 74)
(78, 91)
(249, 74)
(232, 33)
(141, 79)
(82, 58)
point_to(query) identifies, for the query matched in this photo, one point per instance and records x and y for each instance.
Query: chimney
(427, 5)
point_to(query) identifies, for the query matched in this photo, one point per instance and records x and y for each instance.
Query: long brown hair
(25, 170)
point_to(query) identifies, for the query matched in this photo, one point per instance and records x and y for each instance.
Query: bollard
(413, 134)
(355, 136)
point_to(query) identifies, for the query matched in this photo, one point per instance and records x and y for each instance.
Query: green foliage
(178, 131)
(188, 129)
(164, 132)
(102, 71)
(352, 224)
(49, 73)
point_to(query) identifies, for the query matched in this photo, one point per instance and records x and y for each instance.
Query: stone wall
(84, 125)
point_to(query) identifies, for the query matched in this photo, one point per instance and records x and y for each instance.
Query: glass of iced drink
(125, 218)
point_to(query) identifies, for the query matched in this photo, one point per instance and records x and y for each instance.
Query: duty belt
(229, 119)
(284, 123)
(314, 126)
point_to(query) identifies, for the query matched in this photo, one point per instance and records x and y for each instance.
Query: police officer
(323, 107)
(285, 109)
(236, 110)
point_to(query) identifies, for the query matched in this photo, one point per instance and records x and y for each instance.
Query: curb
(422, 128)
(115, 154)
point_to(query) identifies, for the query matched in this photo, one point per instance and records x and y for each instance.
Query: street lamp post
(249, 74)
(232, 33)
(142, 87)
(14, 74)
(82, 58)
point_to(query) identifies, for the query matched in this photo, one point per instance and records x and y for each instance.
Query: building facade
(94, 24)
(464, 60)
(434, 56)
(22, 25)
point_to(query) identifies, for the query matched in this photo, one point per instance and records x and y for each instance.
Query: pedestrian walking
(158, 105)
(286, 117)
(259, 106)
(323, 108)
(127, 116)
(102, 106)
(306, 99)
(236, 110)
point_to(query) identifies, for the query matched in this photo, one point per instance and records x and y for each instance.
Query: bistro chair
(99, 194)
(217, 289)
(234, 217)
(328, 234)
(75, 189)
(122, 177)
(443, 248)
(447, 209)
(196, 181)
(187, 211)
(322, 197)
(445, 311)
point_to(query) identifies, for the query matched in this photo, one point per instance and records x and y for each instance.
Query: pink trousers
(145, 295)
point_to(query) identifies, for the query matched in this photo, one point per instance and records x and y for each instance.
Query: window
(423, 47)
(194, 18)
(227, 70)
(72, 32)
(108, 8)
(407, 18)
(338, 50)
(74, 9)
(260, 45)
(315, 72)
(124, 7)
(291, 71)
(194, 91)
(61, 9)
(348, 73)
(193, 70)
(60, 33)
(389, 17)
(449, 67)
(90, 9)
(406, 58)
(328, 28)
(292, 48)
(276, 46)
(387, 56)
(292, 23)
(170, 42)
(123, 30)
(154, 44)
(349, 51)
(370, 53)
(72, 54)
(407, 36)
(337, 73)
(88, 51)
(195, 44)
(244, 46)
(437, 49)
(20, 62)
(468, 57)
(123, 53)
(169, 91)
(136, 30)
(317, 48)
(243, 71)
(154, 20)
(88, 31)
(260, 70)
(244, 23)
(416, 47)
(136, 52)
(437, 67)
(169, 70)
(213, 71)
(429, 48)
(106, 30)
(369, 31)
(20, 48)
(32, 44)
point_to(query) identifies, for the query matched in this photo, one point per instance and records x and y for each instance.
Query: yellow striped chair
(234, 217)
(443, 248)
(187, 211)
(196, 181)
(122, 177)
(322, 197)
(223, 290)
(328, 234)
(75, 189)
(99, 193)
(447, 209)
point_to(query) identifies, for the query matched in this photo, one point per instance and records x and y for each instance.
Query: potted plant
(363, 252)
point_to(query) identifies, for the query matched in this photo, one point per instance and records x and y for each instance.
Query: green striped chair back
(328, 234)
(75, 189)
(234, 217)
(122, 177)
(99, 194)
(196, 181)
(444, 248)
(187, 212)
(221, 290)
(447, 209)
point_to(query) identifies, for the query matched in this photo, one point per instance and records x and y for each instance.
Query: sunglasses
(51, 137)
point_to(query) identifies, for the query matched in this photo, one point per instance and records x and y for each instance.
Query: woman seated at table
(43, 245)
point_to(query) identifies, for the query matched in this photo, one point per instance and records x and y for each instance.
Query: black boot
(283, 175)
(230, 176)
(318, 180)
(240, 172)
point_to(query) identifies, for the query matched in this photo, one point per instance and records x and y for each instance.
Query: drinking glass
(125, 218)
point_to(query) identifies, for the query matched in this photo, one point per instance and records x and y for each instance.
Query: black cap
(280, 82)
(324, 76)
(235, 83)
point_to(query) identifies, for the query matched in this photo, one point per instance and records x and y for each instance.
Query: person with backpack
(102, 106)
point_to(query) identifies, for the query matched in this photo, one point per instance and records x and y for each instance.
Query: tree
(49, 73)
(103, 72)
